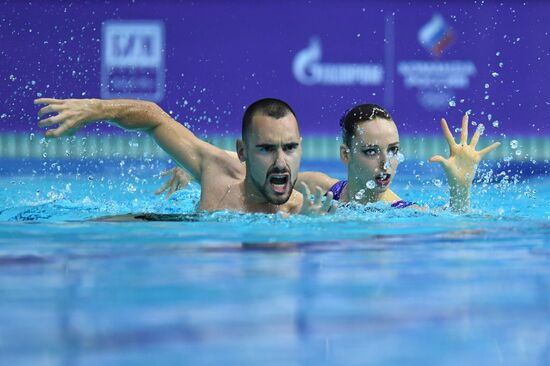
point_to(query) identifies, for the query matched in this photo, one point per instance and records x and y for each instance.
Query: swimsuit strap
(401, 204)
(337, 189)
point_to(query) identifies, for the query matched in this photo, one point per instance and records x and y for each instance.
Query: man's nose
(280, 160)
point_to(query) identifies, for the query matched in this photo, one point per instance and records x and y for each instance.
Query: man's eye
(394, 149)
(290, 147)
(266, 148)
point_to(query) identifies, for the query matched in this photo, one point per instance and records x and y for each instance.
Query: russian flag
(436, 35)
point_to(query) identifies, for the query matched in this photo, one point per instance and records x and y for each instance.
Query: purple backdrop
(206, 61)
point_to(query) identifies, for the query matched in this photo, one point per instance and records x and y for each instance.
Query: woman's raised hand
(462, 163)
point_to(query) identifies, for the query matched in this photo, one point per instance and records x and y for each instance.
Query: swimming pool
(367, 286)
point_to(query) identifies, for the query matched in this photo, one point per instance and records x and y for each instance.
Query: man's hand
(177, 140)
(70, 114)
(462, 163)
(177, 181)
(314, 206)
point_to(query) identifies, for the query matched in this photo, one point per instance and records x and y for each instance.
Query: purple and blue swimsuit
(338, 187)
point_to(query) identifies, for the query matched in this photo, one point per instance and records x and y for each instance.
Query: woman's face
(372, 157)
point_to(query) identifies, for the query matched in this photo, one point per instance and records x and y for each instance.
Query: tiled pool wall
(25, 145)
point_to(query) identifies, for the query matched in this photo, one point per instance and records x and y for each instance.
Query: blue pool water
(367, 286)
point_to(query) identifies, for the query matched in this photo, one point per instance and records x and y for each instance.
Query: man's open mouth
(382, 179)
(279, 182)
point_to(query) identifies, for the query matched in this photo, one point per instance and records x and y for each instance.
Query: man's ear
(344, 154)
(241, 150)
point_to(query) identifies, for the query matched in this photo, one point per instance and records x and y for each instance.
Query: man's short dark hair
(358, 114)
(271, 107)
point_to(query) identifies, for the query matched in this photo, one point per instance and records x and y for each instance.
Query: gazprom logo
(309, 70)
(132, 60)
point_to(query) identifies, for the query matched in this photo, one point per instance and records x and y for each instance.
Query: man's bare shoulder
(314, 179)
(218, 164)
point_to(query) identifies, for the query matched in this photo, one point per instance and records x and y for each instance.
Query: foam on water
(500, 192)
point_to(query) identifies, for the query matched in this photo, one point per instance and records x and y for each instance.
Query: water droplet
(481, 128)
(507, 158)
(131, 188)
(133, 143)
(518, 152)
(452, 103)
(358, 35)
(486, 86)
(31, 136)
(501, 64)
(400, 157)
(514, 144)
(370, 184)
(359, 195)
(495, 123)
(437, 182)
(39, 94)
(494, 74)
(498, 53)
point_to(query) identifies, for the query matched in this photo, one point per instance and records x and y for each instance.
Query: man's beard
(269, 193)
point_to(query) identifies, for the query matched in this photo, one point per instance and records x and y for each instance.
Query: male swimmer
(370, 151)
(270, 149)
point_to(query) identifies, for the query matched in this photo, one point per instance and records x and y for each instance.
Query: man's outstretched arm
(70, 115)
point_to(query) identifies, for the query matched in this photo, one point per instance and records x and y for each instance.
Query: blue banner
(205, 61)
